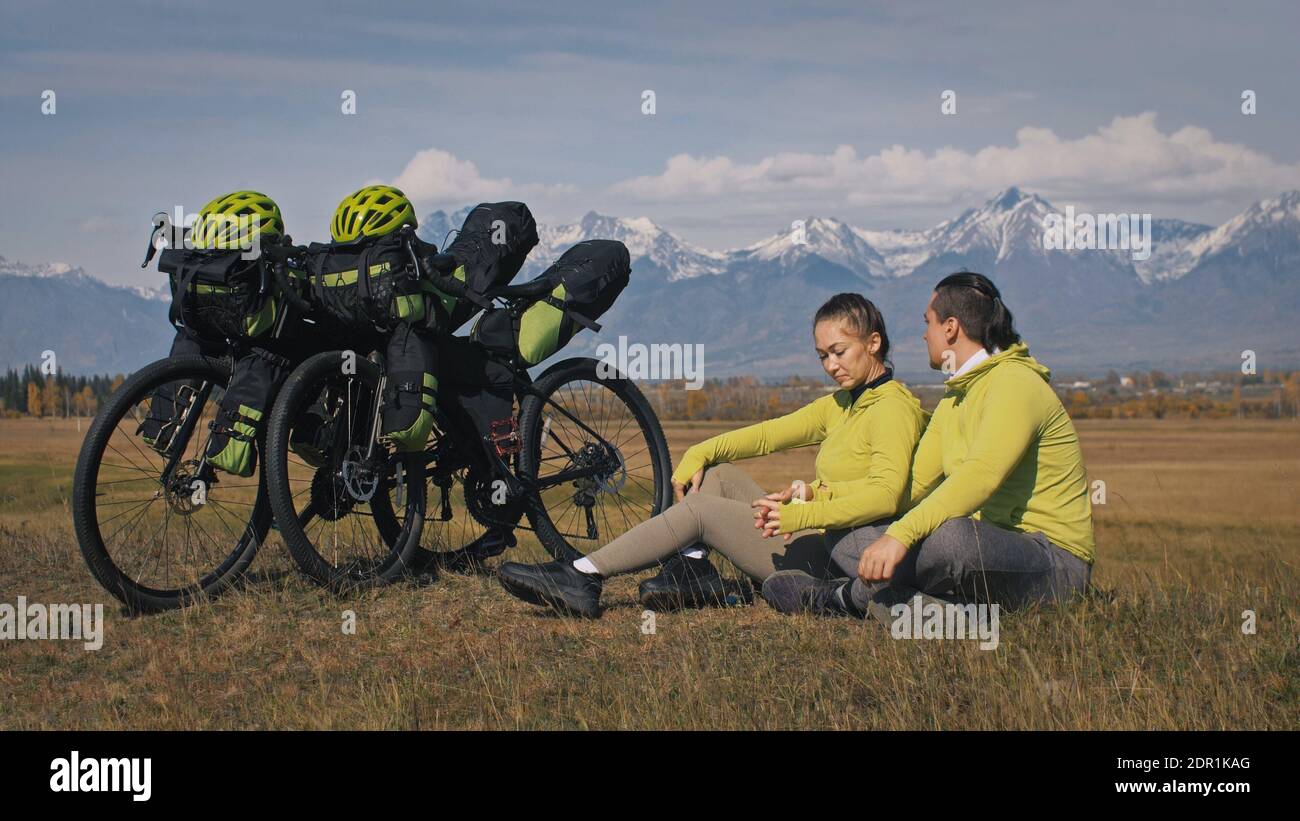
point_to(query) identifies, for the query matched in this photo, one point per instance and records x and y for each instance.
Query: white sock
(584, 565)
(694, 553)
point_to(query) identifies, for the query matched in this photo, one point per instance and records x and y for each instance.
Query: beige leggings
(720, 516)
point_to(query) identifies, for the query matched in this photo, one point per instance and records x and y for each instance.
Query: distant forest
(1270, 394)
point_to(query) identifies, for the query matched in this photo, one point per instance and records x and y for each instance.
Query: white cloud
(1129, 158)
(436, 177)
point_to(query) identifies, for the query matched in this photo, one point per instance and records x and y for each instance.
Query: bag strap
(363, 275)
(282, 362)
(563, 306)
(316, 271)
(184, 280)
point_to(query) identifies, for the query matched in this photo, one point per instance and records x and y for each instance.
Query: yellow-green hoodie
(1001, 447)
(863, 464)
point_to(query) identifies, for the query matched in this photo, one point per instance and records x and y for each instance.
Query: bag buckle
(504, 435)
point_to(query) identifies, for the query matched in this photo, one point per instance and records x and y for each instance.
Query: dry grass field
(1200, 524)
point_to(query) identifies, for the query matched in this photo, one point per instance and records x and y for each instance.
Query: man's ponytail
(1001, 330)
(975, 302)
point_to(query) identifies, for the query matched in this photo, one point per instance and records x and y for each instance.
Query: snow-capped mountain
(1081, 309)
(41, 270)
(1010, 222)
(647, 243)
(1205, 295)
(436, 227)
(91, 326)
(1268, 231)
(1169, 241)
(830, 239)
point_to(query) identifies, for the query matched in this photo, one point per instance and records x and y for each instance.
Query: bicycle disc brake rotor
(188, 489)
(360, 477)
(613, 482)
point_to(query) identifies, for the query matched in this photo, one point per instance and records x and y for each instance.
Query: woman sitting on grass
(867, 431)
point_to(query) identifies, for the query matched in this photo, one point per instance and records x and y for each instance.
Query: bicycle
(576, 487)
(158, 526)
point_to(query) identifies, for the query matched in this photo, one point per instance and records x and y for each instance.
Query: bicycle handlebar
(279, 256)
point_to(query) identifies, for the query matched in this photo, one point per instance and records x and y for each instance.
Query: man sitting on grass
(999, 510)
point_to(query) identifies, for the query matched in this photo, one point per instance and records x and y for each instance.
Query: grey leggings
(968, 561)
(720, 516)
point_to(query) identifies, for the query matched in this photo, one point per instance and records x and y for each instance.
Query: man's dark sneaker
(558, 585)
(471, 557)
(794, 591)
(683, 582)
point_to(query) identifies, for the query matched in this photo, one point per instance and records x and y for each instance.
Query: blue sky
(765, 112)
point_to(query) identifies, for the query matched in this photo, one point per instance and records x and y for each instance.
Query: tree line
(1272, 394)
(30, 392)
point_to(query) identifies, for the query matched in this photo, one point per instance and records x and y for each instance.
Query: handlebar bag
(587, 279)
(389, 295)
(490, 249)
(219, 295)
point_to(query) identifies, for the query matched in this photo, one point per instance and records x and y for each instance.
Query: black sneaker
(558, 585)
(794, 591)
(683, 582)
(471, 557)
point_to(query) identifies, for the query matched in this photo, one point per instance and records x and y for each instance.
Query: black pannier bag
(220, 295)
(476, 386)
(411, 388)
(241, 416)
(389, 295)
(587, 279)
(490, 248)
(490, 398)
(169, 402)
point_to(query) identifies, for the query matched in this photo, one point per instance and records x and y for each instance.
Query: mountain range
(1204, 295)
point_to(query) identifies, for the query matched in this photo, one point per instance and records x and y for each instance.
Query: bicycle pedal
(504, 436)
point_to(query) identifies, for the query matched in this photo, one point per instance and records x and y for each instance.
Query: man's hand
(879, 560)
(679, 491)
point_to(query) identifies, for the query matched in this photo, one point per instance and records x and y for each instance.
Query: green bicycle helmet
(371, 212)
(226, 222)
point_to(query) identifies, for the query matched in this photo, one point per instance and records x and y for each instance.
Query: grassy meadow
(1200, 524)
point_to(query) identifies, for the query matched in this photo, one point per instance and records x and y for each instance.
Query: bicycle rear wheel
(601, 427)
(352, 512)
(160, 528)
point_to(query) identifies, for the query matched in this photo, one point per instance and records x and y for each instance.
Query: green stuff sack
(411, 389)
(587, 279)
(241, 416)
(490, 248)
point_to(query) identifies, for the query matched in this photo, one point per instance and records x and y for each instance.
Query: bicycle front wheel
(157, 526)
(350, 509)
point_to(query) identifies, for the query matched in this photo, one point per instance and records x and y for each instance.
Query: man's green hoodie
(1001, 447)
